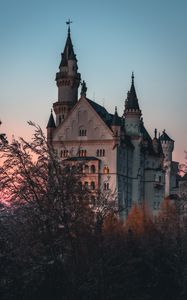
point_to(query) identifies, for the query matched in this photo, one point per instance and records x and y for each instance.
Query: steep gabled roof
(101, 111)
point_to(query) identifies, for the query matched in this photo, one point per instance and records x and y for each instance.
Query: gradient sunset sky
(111, 39)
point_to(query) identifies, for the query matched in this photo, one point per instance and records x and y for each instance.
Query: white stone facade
(114, 153)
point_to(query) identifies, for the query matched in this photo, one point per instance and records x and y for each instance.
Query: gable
(83, 123)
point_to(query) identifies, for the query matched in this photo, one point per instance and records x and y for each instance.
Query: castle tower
(167, 147)
(132, 115)
(67, 80)
(132, 112)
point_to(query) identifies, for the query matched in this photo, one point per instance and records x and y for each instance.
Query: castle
(114, 153)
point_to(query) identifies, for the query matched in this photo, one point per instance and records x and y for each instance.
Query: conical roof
(68, 52)
(51, 122)
(132, 100)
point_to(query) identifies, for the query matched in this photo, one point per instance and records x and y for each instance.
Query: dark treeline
(57, 242)
(138, 259)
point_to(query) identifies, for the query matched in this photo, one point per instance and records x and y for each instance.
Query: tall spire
(131, 102)
(67, 80)
(68, 52)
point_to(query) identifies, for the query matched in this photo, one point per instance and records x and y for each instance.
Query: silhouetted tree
(53, 225)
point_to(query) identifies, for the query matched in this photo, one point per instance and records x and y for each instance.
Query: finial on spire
(116, 110)
(132, 77)
(68, 23)
(83, 89)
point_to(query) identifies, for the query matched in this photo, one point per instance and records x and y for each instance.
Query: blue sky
(111, 39)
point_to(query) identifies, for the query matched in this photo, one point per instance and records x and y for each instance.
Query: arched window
(92, 169)
(80, 185)
(82, 132)
(86, 169)
(92, 185)
(64, 153)
(100, 152)
(106, 186)
(82, 153)
(86, 184)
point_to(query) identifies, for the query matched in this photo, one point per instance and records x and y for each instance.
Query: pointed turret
(116, 123)
(51, 122)
(165, 137)
(132, 100)
(67, 80)
(68, 53)
(132, 112)
(50, 128)
(167, 147)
